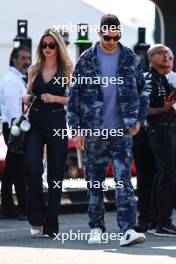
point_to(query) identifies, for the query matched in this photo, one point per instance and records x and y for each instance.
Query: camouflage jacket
(85, 104)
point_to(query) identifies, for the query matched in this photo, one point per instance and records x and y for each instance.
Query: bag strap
(24, 111)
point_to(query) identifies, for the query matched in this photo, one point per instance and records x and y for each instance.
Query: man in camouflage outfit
(120, 105)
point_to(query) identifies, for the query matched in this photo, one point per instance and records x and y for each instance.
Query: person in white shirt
(12, 88)
(171, 76)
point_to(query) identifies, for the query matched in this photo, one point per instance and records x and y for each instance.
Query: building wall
(44, 14)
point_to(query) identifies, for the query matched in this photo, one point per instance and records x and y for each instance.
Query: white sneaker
(131, 237)
(36, 232)
(95, 236)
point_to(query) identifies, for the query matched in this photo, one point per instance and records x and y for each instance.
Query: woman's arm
(61, 100)
(30, 83)
(49, 98)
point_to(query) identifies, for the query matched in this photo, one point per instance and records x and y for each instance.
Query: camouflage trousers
(98, 153)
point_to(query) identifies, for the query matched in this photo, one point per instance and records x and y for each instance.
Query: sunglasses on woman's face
(108, 38)
(49, 45)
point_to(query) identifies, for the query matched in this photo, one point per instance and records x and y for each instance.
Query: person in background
(171, 75)
(145, 169)
(11, 91)
(162, 138)
(46, 114)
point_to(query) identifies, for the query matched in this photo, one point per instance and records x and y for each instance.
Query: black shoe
(168, 230)
(22, 217)
(141, 227)
(151, 228)
(49, 232)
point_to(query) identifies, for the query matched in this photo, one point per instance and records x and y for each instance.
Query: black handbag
(17, 136)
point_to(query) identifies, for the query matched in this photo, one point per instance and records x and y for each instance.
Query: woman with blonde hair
(46, 116)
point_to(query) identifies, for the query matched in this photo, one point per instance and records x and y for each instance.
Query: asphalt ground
(18, 247)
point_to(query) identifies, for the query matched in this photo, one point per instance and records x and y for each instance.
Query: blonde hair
(64, 64)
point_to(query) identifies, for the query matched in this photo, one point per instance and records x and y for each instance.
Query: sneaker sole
(152, 231)
(164, 235)
(138, 240)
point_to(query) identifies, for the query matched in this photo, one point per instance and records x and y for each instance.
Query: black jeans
(38, 214)
(163, 143)
(145, 166)
(13, 174)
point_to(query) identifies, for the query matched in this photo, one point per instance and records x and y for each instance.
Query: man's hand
(48, 98)
(79, 142)
(168, 104)
(135, 130)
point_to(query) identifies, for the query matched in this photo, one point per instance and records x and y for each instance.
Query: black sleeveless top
(51, 87)
(47, 115)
